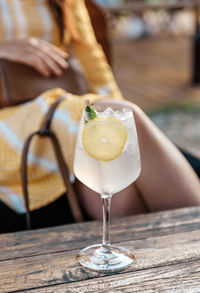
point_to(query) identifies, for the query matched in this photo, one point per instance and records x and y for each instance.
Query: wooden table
(166, 246)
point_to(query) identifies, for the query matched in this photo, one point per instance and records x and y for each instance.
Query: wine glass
(107, 159)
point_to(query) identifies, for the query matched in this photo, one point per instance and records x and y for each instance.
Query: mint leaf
(90, 113)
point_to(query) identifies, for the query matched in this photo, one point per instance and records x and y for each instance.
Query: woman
(41, 34)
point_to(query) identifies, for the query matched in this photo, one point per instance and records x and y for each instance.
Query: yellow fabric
(25, 18)
(19, 19)
(16, 123)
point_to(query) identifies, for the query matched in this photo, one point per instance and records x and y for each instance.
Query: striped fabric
(24, 18)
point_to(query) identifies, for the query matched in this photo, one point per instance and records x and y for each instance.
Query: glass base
(106, 260)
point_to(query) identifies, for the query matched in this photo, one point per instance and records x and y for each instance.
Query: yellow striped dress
(32, 18)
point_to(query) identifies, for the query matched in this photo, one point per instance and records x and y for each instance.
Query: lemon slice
(104, 138)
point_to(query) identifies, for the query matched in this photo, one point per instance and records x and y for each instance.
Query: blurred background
(155, 53)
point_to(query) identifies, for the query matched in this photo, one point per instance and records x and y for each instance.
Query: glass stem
(106, 202)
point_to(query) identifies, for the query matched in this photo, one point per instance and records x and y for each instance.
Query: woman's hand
(44, 57)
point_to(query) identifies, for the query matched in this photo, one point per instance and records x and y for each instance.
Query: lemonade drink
(108, 175)
(107, 160)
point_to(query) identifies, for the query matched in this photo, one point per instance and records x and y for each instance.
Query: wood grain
(171, 278)
(171, 248)
(77, 236)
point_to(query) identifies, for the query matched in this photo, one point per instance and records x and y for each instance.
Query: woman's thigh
(124, 203)
(167, 180)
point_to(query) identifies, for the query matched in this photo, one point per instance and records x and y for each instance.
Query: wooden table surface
(166, 246)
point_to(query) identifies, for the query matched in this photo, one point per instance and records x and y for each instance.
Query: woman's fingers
(57, 50)
(48, 62)
(39, 54)
(38, 64)
(53, 58)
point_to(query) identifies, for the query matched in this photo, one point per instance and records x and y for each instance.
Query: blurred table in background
(155, 73)
(138, 7)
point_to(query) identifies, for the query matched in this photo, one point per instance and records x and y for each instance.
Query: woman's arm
(91, 55)
(38, 54)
